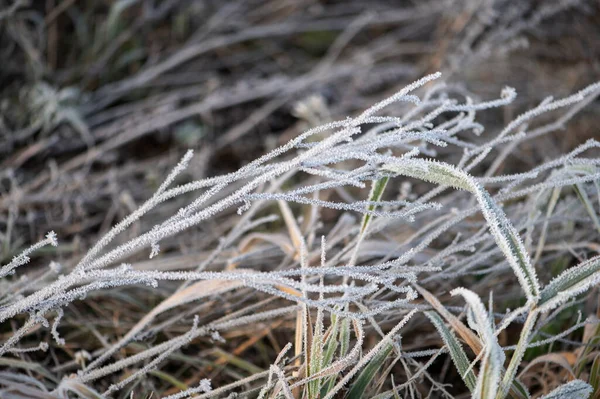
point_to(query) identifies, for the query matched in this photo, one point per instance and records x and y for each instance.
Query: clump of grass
(367, 287)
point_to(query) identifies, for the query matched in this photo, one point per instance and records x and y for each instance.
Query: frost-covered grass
(353, 280)
(271, 199)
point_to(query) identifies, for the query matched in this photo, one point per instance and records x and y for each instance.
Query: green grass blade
(332, 344)
(316, 356)
(374, 196)
(505, 235)
(570, 283)
(368, 373)
(490, 372)
(344, 337)
(518, 390)
(575, 389)
(331, 347)
(591, 345)
(455, 348)
(170, 379)
(237, 361)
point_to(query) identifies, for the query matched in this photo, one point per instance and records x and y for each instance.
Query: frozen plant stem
(515, 360)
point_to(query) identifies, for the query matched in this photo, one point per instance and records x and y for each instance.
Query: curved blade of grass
(368, 373)
(465, 333)
(517, 389)
(455, 348)
(493, 358)
(570, 283)
(505, 235)
(558, 359)
(575, 389)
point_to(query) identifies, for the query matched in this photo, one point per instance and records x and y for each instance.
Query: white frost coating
(23, 257)
(345, 154)
(489, 377)
(570, 283)
(505, 235)
(575, 389)
(154, 250)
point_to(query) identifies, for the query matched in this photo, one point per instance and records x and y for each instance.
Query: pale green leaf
(505, 235)
(570, 283)
(489, 377)
(575, 389)
(455, 348)
(368, 373)
(374, 196)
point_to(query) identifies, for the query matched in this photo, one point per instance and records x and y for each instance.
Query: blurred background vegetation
(98, 98)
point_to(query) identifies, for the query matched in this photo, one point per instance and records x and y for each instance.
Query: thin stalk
(511, 371)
